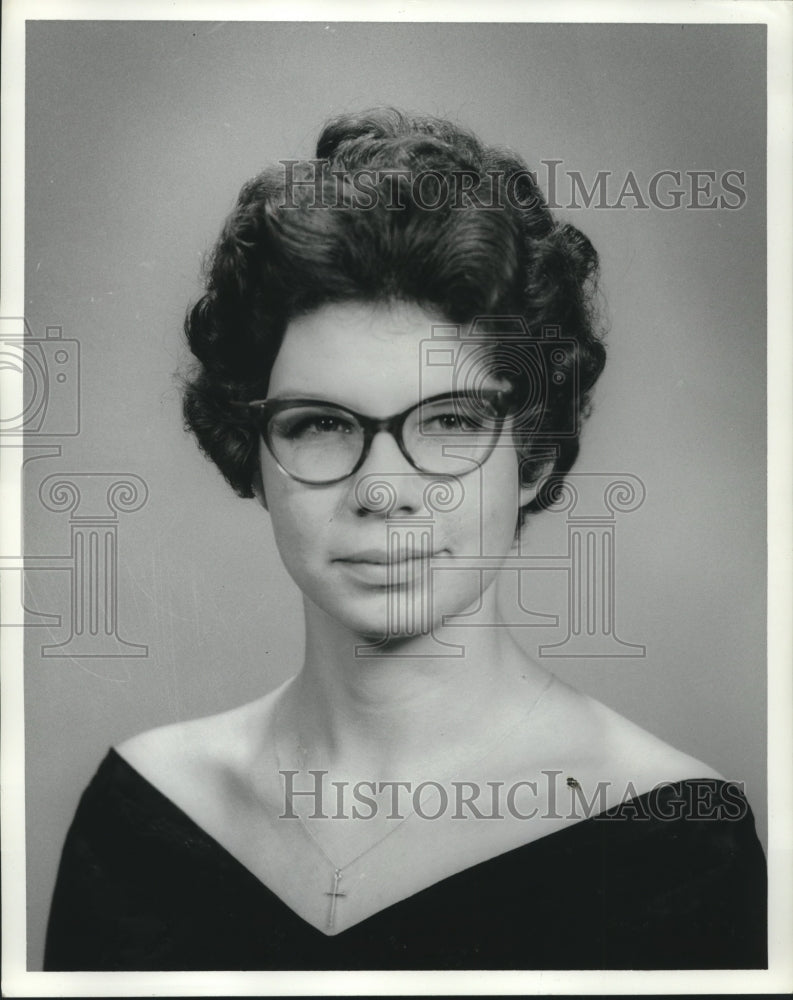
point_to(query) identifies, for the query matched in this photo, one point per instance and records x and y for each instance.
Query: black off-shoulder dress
(673, 879)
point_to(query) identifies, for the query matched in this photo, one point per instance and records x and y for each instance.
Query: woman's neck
(402, 712)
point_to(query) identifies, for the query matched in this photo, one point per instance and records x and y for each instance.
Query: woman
(373, 365)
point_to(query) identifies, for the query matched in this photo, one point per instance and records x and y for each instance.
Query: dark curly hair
(398, 207)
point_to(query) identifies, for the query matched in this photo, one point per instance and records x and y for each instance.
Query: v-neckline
(114, 757)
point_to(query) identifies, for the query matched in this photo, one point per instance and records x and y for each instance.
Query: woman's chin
(390, 640)
(384, 629)
(394, 619)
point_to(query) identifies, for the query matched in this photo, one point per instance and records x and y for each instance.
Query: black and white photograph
(396, 484)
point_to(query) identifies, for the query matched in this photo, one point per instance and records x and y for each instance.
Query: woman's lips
(381, 569)
(379, 557)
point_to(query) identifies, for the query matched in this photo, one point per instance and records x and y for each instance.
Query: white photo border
(778, 16)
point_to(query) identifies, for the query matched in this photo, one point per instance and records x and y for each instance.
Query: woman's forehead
(367, 355)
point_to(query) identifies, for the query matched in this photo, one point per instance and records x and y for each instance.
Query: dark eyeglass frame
(263, 410)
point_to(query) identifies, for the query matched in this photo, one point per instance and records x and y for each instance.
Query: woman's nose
(387, 483)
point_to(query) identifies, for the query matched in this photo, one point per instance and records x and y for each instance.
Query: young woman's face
(336, 540)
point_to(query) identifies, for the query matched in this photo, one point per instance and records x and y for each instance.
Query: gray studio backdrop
(139, 136)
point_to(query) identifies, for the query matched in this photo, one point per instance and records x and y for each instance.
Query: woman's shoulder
(596, 744)
(185, 759)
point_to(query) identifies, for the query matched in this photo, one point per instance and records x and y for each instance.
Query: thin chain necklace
(334, 892)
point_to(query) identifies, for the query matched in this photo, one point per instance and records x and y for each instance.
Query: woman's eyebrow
(289, 394)
(303, 394)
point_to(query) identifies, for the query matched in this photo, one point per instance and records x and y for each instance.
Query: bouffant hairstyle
(399, 207)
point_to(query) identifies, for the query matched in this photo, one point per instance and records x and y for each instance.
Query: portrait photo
(389, 426)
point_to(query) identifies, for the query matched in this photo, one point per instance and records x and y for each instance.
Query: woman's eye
(327, 425)
(319, 425)
(450, 423)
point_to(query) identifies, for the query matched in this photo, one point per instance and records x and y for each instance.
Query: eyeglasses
(320, 443)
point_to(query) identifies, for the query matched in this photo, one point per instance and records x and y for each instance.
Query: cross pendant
(334, 895)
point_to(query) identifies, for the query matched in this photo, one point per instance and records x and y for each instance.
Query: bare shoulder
(649, 753)
(609, 747)
(190, 752)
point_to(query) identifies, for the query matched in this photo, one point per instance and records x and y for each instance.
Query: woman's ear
(529, 491)
(258, 486)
